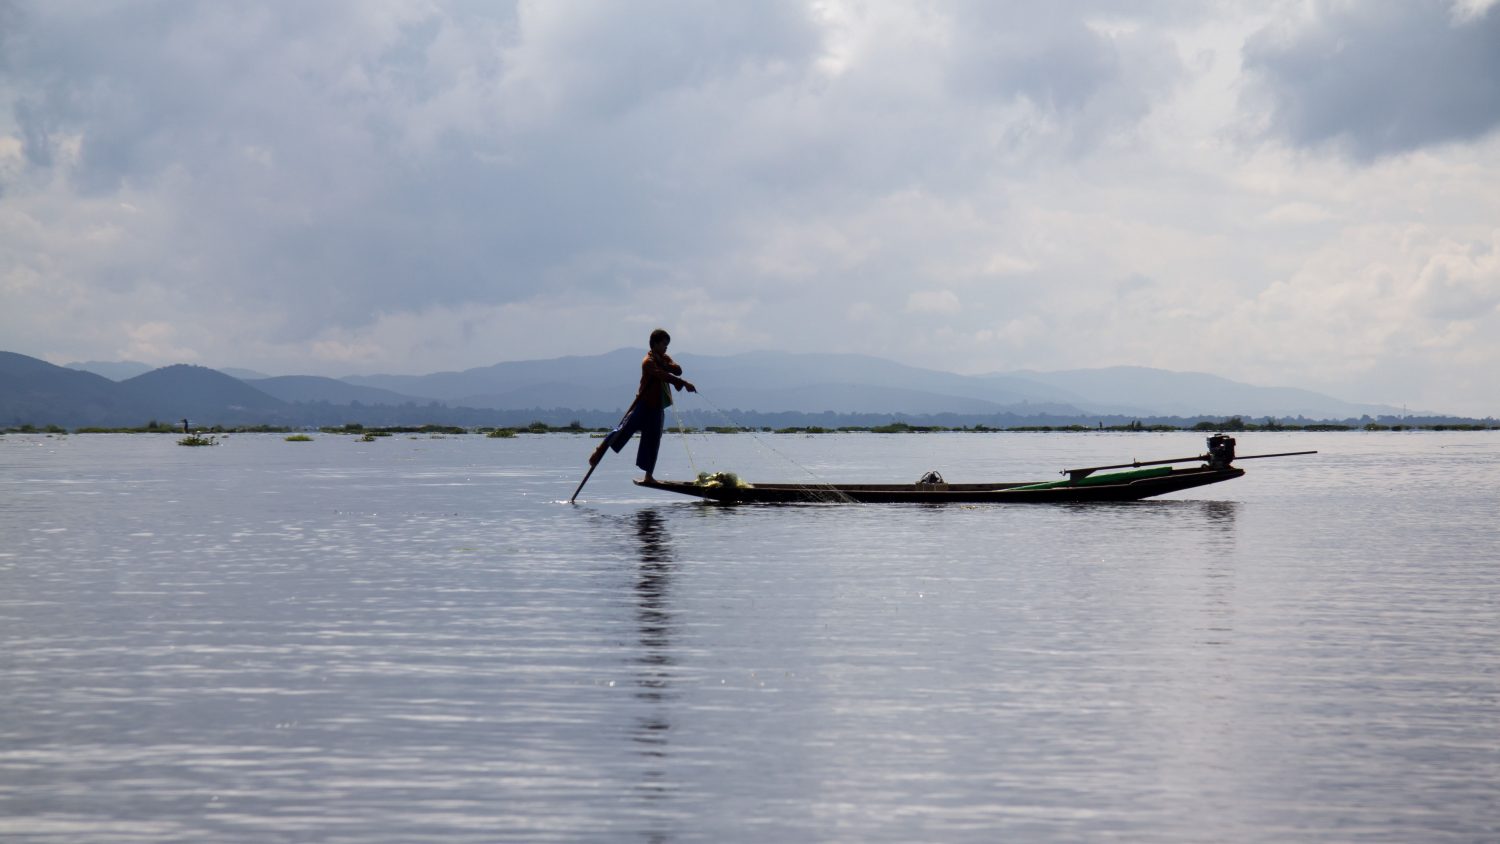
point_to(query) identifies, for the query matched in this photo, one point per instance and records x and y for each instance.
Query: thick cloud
(362, 158)
(1381, 77)
(367, 157)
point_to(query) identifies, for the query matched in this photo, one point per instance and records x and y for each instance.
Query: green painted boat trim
(1092, 480)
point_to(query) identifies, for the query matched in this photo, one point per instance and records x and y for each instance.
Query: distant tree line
(798, 423)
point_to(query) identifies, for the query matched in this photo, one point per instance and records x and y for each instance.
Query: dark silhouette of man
(659, 374)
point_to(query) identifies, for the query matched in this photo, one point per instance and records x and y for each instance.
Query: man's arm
(668, 371)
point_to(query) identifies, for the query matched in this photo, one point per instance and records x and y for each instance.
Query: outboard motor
(1220, 451)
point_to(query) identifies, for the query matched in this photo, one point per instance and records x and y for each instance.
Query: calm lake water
(413, 640)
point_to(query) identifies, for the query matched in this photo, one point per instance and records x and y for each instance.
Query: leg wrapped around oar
(647, 421)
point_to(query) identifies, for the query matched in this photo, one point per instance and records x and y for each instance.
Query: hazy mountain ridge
(34, 391)
(200, 391)
(117, 370)
(597, 388)
(1135, 389)
(769, 381)
(812, 383)
(315, 388)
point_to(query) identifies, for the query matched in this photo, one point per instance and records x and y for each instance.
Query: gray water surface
(414, 639)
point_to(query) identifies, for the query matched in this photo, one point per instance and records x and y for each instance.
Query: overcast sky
(1293, 194)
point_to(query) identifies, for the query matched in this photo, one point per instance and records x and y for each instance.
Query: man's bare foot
(597, 455)
(648, 479)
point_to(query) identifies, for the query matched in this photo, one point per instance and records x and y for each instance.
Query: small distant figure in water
(647, 414)
(185, 427)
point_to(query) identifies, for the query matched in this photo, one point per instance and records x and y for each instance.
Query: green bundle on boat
(716, 480)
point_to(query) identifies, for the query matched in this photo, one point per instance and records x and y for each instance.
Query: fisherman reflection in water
(652, 615)
(654, 660)
(647, 414)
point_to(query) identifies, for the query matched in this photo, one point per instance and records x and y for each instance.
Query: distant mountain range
(114, 370)
(595, 389)
(814, 383)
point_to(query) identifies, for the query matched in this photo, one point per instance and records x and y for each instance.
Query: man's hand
(689, 386)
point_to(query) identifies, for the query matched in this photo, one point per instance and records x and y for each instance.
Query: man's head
(659, 340)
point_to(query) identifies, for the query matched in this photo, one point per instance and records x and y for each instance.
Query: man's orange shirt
(655, 376)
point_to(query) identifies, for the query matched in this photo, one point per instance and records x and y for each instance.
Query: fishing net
(817, 490)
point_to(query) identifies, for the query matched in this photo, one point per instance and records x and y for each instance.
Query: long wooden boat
(1081, 485)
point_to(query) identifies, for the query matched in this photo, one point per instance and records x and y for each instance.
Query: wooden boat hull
(1129, 486)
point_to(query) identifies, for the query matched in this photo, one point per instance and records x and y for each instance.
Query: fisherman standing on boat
(647, 414)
